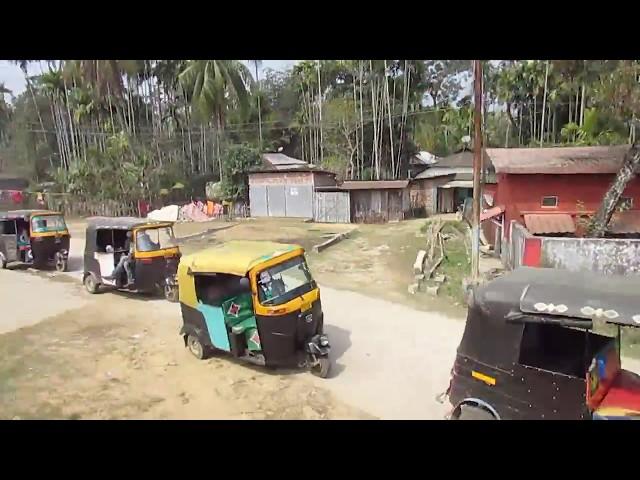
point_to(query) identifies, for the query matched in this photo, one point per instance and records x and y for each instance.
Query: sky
(13, 78)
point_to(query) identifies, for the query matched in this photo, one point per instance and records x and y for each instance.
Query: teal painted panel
(214, 318)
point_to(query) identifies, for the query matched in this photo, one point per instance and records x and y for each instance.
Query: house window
(550, 201)
(624, 203)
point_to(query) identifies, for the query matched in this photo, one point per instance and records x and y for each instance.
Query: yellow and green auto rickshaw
(34, 237)
(151, 246)
(255, 300)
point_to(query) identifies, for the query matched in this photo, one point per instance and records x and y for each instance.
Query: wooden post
(477, 170)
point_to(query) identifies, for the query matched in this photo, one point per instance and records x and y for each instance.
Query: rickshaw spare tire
(61, 262)
(90, 283)
(470, 412)
(195, 346)
(171, 293)
(322, 368)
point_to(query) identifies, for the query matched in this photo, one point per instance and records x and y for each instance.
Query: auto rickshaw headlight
(324, 341)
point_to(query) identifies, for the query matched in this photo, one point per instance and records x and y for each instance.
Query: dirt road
(121, 356)
(118, 356)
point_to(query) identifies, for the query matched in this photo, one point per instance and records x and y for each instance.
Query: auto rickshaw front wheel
(322, 367)
(195, 346)
(61, 262)
(90, 283)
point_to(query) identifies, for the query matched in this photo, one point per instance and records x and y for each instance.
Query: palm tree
(256, 65)
(214, 86)
(23, 64)
(5, 111)
(105, 79)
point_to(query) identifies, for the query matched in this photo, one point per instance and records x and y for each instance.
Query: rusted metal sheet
(281, 178)
(374, 185)
(625, 222)
(558, 160)
(549, 223)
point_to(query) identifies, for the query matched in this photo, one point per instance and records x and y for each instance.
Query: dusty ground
(75, 355)
(120, 356)
(114, 356)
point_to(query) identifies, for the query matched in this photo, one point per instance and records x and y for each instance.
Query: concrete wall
(604, 255)
(608, 256)
(513, 253)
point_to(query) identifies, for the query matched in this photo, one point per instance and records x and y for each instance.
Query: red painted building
(549, 189)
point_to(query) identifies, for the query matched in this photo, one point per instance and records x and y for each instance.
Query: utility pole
(477, 170)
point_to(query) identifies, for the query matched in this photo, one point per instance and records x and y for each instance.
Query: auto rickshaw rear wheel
(90, 283)
(469, 412)
(61, 262)
(195, 346)
(322, 367)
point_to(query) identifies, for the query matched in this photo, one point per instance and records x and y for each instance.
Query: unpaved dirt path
(120, 356)
(28, 299)
(390, 360)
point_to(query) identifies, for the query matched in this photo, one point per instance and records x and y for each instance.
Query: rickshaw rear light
(146, 260)
(37, 239)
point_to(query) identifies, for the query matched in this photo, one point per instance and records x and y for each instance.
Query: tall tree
(215, 85)
(257, 64)
(599, 223)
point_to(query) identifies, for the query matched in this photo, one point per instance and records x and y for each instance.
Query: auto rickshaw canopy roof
(547, 291)
(26, 214)
(122, 223)
(236, 257)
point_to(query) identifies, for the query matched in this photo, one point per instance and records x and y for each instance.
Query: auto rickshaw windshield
(285, 281)
(48, 223)
(152, 239)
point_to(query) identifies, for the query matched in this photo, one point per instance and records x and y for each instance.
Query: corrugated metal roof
(276, 159)
(566, 160)
(625, 222)
(458, 184)
(460, 159)
(423, 158)
(550, 223)
(374, 185)
(291, 169)
(437, 171)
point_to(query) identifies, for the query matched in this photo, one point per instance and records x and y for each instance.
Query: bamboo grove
(119, 129)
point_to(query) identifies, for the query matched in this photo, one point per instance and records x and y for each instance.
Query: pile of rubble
(429, 260)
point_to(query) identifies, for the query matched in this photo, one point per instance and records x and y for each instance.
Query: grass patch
(455, 265)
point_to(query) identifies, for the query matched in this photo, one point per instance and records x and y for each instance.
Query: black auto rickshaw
(154, 260)
(34, 237)
(255, 300)
(529, 350)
